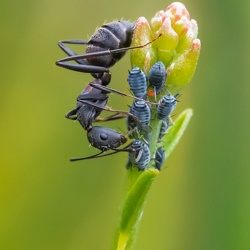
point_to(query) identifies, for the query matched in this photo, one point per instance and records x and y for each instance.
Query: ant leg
(69, 51)
(72, 115)
(84, 65)
(88, 157)
(99, 155)
(111, 110)
(110, 90)
(84, 68)
(106, 52)
(74, 41)
(125, 149)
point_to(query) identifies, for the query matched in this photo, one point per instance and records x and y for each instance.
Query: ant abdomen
(114, 35)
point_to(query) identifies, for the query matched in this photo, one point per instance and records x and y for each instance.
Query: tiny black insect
(159, 157)
(164, 128)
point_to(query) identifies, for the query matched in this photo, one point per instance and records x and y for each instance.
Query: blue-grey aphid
(164, 128)
(166, 105)
(139, 155)
(157, 77)
(141, 110)
(137, 82)
(159, 157)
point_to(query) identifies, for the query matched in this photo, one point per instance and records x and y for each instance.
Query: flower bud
(177, 46)
(142, 35)
(182, 68)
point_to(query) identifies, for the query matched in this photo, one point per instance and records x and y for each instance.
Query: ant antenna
(107, 52)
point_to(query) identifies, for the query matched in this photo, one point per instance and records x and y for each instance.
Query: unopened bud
(177, 47)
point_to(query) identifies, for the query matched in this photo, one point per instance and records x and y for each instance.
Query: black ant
(104, 48)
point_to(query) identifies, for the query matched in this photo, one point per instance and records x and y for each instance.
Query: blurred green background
(200, 201)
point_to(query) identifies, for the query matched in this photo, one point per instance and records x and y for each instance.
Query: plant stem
(139, 183)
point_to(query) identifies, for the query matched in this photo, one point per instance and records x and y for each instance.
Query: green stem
(139, 183)
(139, 186)
(153, 145)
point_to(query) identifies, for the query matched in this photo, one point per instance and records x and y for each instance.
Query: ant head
(105, 138)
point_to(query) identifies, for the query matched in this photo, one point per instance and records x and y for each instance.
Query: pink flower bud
(177, 47)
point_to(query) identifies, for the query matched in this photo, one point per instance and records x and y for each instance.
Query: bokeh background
(201, 198)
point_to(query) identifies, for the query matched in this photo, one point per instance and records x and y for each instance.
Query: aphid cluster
(104, 48)
(144, 87)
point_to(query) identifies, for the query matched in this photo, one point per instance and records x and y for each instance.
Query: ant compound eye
(103, 136)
